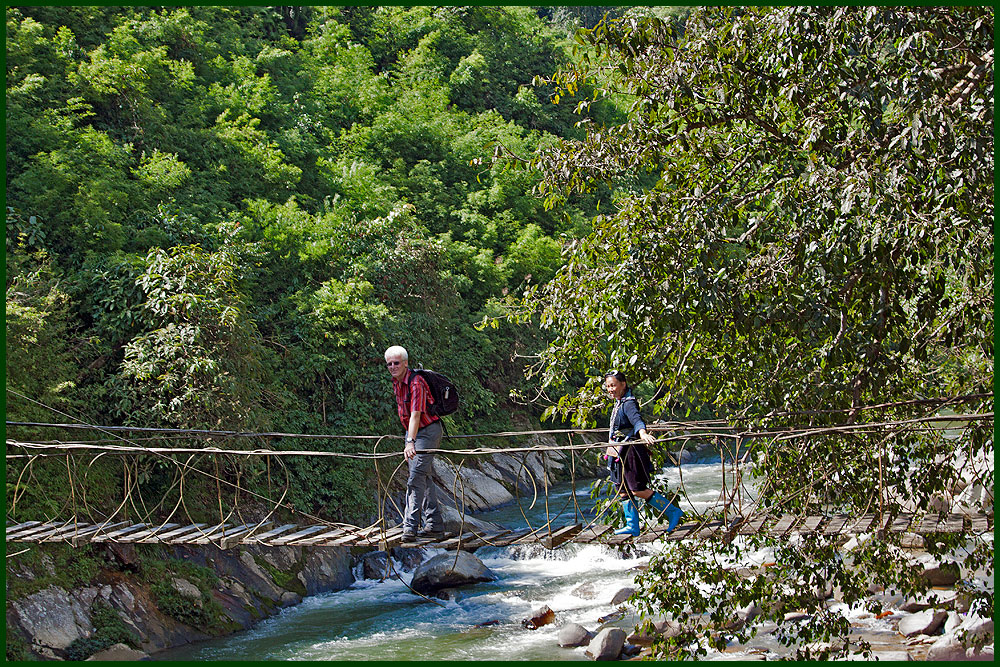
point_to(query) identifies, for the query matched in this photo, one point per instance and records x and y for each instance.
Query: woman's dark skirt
(635, 464)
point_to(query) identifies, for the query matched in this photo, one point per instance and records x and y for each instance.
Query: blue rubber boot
(631, 519)
(666, 509)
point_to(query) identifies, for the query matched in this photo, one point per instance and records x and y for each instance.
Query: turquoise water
(385, 621)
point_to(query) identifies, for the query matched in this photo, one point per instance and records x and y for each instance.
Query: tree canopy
(803, 209)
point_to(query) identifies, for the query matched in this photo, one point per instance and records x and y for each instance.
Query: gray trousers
(421, 496)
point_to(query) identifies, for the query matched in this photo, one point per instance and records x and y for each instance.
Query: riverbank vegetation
(802, 228)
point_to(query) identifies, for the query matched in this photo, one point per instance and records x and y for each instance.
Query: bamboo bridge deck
(227, 535)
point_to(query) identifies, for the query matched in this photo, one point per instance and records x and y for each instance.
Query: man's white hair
(397, 351)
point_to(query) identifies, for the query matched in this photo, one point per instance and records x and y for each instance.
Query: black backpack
(443, 390)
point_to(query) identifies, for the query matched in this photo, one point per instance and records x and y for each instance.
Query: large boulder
(952, 647)
(942, 572)
(408, 557)
(925, 622)
(476, 489)
(454, 521)
(52, 618)
(607, 645)
(325, 569)
(375, 565)
(448, 570)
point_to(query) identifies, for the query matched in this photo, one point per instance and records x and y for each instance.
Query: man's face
(396, 366)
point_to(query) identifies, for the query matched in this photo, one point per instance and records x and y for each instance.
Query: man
(423, 431)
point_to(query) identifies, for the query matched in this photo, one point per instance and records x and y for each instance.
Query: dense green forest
(219, 217)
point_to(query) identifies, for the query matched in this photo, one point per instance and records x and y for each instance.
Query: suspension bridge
(267, 534)
(739, 515)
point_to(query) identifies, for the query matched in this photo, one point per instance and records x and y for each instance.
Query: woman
(629, 461)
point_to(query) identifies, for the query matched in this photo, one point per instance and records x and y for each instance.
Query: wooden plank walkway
(227, 535)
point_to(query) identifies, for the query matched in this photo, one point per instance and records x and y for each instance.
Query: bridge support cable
(169, 518)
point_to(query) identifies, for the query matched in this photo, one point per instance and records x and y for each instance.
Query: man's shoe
(408, 536)
(430, 533)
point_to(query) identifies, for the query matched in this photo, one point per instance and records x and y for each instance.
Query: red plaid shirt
(418, 400)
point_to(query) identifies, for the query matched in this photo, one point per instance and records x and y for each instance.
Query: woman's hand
(647, 437)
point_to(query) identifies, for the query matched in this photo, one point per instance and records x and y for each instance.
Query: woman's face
(614, 388)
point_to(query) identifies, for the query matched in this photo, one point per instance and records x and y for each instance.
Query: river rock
(952, 647)
(52, 618)
(913, 605)
(326, 569)
(944, 572)
(448, 570)
(574, 634)
(453, 520)
(289, 599)
(408, 557)
(622, 595)
(607, 645)
(936, 599)
(375, 565)
(684, 456)
(539, 617)
(629, 650)
(253, 576)
(795, 616)
(585, 591)
(281, 558)
(187, 590)
(951, 623)
(639, 639)
(118, 652)
(473, 489)
(925, 622)
(447, 594)
(667, 627)
(748, 613)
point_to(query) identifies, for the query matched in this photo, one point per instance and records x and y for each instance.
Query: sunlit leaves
(801, 203)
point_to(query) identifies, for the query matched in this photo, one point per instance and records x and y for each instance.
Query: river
(374, 620)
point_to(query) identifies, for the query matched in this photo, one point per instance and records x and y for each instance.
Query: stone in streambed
(539, 617)
(952, 647)
(375, 565)
(622, 595)
(607, 645)
(118, 652)
(448, 570)
(574, 634)
(925, 622)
